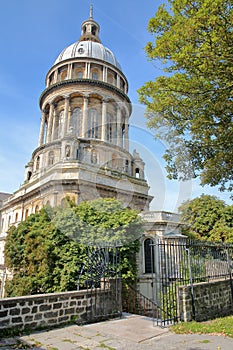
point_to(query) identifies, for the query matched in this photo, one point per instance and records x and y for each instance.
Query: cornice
(90, 82)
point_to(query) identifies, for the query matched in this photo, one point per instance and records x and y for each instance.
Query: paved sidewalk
(130, 332)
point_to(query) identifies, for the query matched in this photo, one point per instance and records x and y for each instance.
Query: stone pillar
(50, 124)
(127, 133)
(104, 121)
(55, 76)
(104, 68)
(69, 75)
(86, 70)
(85, 116)
(66, 111)
(118, 81)
(55, 117)
(42, 129)
(119, 127)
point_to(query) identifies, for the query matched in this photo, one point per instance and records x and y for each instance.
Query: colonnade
(104, 73)
(56, 122)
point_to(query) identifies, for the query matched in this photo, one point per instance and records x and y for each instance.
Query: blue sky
(33, 33)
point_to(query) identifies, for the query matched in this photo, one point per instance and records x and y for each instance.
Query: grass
(219, 326)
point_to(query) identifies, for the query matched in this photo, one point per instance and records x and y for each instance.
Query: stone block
(9, 305)
(38, 317)
(28, 319)
(3, 313)
(17, 320)
(63, 319)
(4, 323)
(57, 306)
(15, 312)
(25, 310)
(45, 307)
(34, 310)
(70, 311)
(51, 314)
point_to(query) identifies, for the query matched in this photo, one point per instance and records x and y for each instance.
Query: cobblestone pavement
(130, 332)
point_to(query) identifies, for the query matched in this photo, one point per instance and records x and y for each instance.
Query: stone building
(83, 147)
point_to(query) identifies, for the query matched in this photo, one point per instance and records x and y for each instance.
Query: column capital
(86, 96)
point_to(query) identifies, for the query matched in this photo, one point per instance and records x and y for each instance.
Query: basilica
(83, 146)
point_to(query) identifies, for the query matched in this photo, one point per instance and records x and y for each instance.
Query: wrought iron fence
(100, 275)
(184, 263)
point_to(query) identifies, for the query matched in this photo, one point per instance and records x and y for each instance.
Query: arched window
(26, 213)
(80, 75)
(51, 158)
(63, 75)
(126, 166)
(16, 217)
(149, 258)
(93, 30)
(75, 123)
(93, 123)
(64, 203)
(29, 175)
(137, 173)
(37, 209)
(94, 75)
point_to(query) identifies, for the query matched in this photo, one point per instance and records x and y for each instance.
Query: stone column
(55, 117)
(42, 129)
(69, 72)
(50, 124)
(86, 70)
(118, 81)
(55, 76)
(104, 73)
(66, 110)
(127, 133)
(119, 127)
(85, 116)
(104, 121)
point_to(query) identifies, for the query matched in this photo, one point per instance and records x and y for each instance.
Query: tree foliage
(46, 252)
(208, 218)
(190, 107)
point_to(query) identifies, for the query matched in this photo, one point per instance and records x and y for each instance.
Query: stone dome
(88, 49)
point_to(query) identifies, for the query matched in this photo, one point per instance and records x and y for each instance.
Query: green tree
(207, 218)
(190, 107)
(47, 251)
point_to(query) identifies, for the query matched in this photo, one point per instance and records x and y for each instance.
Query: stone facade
(211, 299)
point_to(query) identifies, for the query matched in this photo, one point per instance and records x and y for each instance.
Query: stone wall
(58, 308)
(211, 299)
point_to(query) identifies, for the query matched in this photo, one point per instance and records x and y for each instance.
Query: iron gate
(100, 277)
(177, 263)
